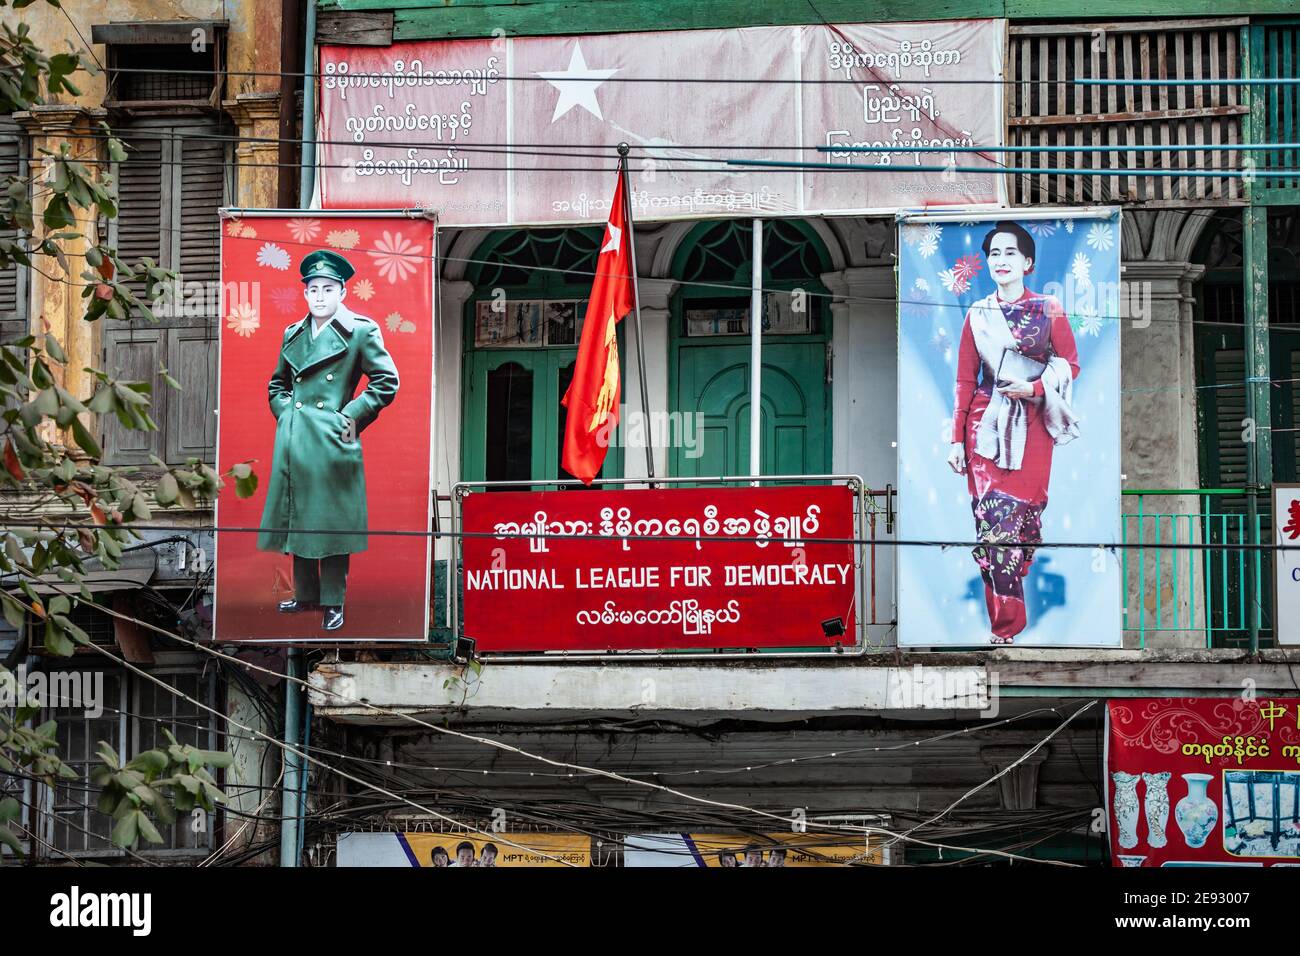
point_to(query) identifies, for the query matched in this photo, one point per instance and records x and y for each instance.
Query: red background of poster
(388, 583)
(1148, 735)
(546, 619)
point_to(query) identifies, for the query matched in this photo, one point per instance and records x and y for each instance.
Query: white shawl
(1004, 426)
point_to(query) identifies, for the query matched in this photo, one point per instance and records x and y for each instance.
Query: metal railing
(1189, 574)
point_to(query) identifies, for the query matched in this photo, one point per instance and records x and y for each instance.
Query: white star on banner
(577, 85)
(615, 237)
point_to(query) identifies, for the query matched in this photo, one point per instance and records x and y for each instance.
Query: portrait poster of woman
(326, 390)
(1008, 430)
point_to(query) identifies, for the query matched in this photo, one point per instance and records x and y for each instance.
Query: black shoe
(333, 618)
(294, 606)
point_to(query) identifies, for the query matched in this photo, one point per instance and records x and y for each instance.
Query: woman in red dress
(1005, 426)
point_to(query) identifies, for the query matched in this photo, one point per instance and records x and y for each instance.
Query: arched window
(522, 326)
(709, 372)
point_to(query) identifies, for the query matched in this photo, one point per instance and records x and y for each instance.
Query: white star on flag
(615, 237)
(577, 85)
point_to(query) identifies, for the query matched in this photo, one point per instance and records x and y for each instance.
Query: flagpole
(636, 313)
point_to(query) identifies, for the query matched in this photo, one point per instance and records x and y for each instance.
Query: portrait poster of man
(1008, 430)
(326, 389)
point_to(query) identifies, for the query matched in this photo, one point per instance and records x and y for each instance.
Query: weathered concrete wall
(253, 46)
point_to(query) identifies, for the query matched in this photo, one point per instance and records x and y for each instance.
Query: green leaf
(85, 440)
(153, 761)
(9, 840)
(102, 401)
(54, 349)
(246, 487)
(168, 490)
(148, 830)
(47, 402)
(59, 605)
(127, 829)
(13, 611)
(9, 809)
(56, 642)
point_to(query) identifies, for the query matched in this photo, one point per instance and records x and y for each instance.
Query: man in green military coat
(316, 497)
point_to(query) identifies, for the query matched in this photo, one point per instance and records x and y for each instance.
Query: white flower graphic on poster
(243, 320)
(273, 256)
(304, 230)
(343, 238)
(395, 256)
(929, 242)
(1100, 237)
(1042, 228)
(1081, 269)
(363, 290)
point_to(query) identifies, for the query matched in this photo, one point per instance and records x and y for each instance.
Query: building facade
(991, 750)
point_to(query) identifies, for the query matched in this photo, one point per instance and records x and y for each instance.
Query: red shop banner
(1204, 781)
(660, 569)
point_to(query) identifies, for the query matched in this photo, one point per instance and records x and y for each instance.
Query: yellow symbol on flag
(608, 394)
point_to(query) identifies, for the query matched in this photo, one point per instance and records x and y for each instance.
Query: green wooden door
(514, 422)
(713, 381)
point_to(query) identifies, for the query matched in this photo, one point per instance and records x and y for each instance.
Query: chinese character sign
(1008, 430)
(1196, 781)
(326, 385)
(1286, 563)
(660, 569)
(429, 120)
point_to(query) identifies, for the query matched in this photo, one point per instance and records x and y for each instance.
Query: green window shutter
(13, 280)
(170, 189)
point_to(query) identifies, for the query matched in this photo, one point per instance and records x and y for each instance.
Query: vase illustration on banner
(1131, 860)
(1157, 807)
(1196, 813)
(1126, 807)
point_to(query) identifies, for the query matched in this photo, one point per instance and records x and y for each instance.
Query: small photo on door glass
(561, 323)
(510, 324)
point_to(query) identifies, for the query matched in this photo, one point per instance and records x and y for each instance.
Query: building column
(1159, 450)
(257, 116)
(656, 297)
(449, 342)
(54, 299)
(1019, 787)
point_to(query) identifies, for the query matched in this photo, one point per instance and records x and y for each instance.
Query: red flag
(593, 395)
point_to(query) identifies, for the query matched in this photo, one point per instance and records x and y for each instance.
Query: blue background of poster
(1072, 595)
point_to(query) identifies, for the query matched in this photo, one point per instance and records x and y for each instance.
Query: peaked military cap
(324, 264)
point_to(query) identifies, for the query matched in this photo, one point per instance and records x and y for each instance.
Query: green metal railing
(1216, 589)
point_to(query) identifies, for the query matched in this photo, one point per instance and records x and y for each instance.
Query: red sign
(659, 569)
(326, 387)
(1204, 781)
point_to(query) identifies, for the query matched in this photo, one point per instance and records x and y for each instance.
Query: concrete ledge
(904, 685)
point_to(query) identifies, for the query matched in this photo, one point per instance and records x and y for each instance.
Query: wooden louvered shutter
(171, 187)
(190, 354)
(13, 280)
